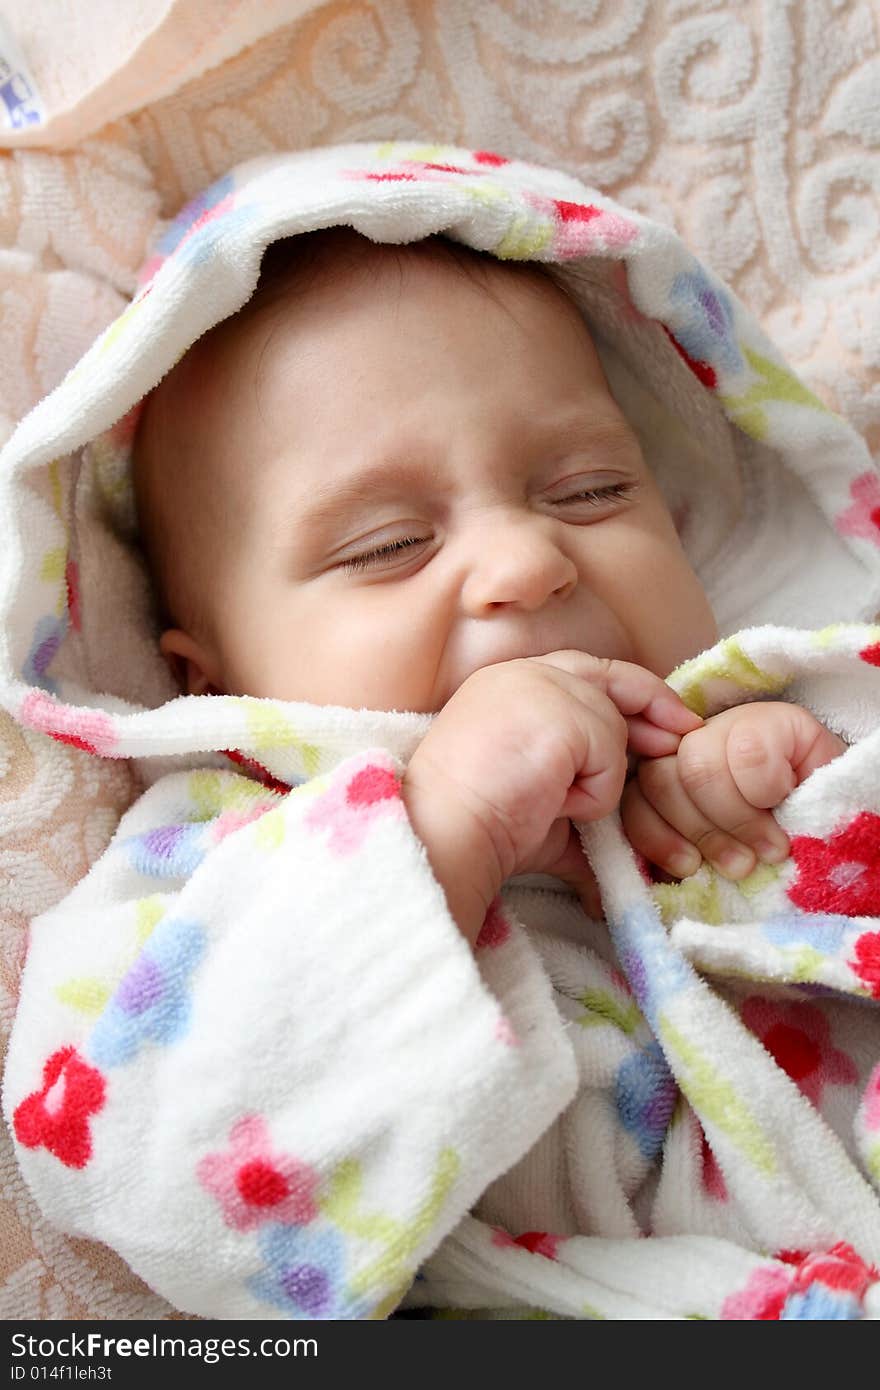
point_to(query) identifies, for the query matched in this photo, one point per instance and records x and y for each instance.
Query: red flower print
(581, 228)
(701, 370)
(762, 1299)
(839, 1268)
(71, 581)
(229, 821)
(372, 784)
(254, 1183)
(575, 212)
(871, 654)
(711, 1176)
(540, 1243)
(91, 730)
(502, 1239)
(389, 178)
(447, 168)
(208, 215)
(495, 929)
(252, 768)
(841, 874)
(862, 518)
(867, 961)
(353, 803)
(871, 1100)
(798, 1037)
(57, 1117)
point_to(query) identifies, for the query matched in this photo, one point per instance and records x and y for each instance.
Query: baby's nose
(520, 564)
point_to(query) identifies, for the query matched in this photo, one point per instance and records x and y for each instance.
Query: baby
(337, 1018)
(364, 511)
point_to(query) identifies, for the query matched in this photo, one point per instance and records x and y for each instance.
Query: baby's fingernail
(770, 852)
(736, 862)
(685, 863)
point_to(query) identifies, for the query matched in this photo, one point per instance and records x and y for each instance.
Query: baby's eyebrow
(391, 476)
(381, 477)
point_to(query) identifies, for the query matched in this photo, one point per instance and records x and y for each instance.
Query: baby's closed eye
(383, 552)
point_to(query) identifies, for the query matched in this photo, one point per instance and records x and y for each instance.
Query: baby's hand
(521, 749)
(711, 799)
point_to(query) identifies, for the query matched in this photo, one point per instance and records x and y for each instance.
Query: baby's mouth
(515, 651)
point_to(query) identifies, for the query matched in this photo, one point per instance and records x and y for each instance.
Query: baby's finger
(598, 789)
(649, 740)
(757, 760)
(636, 691)
(773, 753)
(633, 689)
(707, 779)
(697, 796)
(655, 838)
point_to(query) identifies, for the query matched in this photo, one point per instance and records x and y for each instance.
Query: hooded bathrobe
(253, 1052)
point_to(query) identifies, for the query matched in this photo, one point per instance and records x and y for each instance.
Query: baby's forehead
(308, 271)
(299, 278)
(305, 290)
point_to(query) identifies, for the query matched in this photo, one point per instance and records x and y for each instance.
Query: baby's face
(437, 478)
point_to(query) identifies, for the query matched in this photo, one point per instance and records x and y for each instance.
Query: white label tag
(20, 101)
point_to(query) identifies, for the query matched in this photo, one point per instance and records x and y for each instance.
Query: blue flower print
(653, 966)
(818, 1303)
(49, 633)
(820, 931)
(645, 1094)
(201, 245)
(168, 851)
(152, 1002)
(202, 203)
(304, 1274)
(707, 331)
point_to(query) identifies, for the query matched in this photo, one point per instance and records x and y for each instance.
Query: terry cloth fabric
(253, 1053)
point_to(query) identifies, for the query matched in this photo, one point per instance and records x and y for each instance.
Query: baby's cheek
(671, 586)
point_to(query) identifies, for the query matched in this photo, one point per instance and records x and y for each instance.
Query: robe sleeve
(255, 1056)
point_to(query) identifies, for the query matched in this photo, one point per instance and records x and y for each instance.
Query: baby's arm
(713, 798)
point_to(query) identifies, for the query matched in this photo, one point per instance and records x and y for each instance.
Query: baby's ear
(194, 667)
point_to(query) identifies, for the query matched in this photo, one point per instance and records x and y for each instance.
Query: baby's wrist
(466, 868)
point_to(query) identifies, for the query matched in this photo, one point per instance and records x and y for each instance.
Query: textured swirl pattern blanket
(750, 126)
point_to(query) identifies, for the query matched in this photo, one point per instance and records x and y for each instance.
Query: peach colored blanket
(751, 125)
